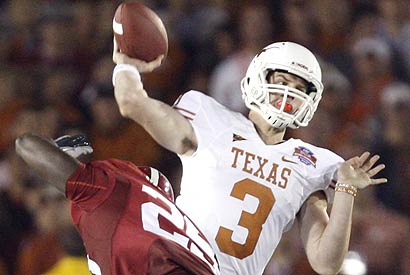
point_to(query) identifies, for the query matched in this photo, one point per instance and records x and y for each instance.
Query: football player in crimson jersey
(253, 183)
(125, 214)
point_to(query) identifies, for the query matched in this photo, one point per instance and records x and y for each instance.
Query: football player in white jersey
(242, 183)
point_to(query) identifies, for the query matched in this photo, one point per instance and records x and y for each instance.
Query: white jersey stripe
(154, 176)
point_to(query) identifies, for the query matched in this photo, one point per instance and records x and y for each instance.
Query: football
(139, 32)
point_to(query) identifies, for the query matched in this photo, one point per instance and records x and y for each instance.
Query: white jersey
(242, 193)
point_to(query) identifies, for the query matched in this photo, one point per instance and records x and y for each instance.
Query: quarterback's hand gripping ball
(139, 32)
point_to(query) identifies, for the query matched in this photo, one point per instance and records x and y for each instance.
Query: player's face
(292, 81)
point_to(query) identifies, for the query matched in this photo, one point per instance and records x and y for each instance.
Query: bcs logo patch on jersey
(305, 156)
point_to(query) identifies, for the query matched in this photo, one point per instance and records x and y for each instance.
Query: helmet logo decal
(300, 65)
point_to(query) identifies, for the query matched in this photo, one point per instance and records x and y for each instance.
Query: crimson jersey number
(192, 240)
(251, 221)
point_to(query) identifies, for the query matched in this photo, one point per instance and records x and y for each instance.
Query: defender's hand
(142, 66)
(359, 171)
(74, 146)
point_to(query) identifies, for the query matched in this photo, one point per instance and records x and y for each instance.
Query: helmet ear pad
(258, 94)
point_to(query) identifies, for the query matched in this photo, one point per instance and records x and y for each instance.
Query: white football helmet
(291, 58)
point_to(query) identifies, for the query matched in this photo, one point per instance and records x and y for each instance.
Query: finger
(154, 64)
(115, 50)
(139, 64)
(125, 59)
(378, 181)
(364, 157)
(353, 160)
(159, 59)
(375, 170)
(369, 164)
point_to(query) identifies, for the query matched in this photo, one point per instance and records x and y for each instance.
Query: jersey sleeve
(90, 185)
(191, 106)
(208, 117)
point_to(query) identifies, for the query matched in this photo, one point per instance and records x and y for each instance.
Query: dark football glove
(74, 146)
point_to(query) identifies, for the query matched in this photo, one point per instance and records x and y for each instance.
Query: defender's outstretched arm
(47, 160)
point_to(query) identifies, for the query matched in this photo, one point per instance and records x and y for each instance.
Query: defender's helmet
(291, 58)
(159, 180)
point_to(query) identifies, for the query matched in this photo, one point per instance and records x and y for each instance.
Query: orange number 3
(252, 222)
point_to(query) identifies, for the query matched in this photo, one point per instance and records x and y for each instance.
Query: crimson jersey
(129, 227)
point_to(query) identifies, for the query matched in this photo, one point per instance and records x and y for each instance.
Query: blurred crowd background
(55, 79)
